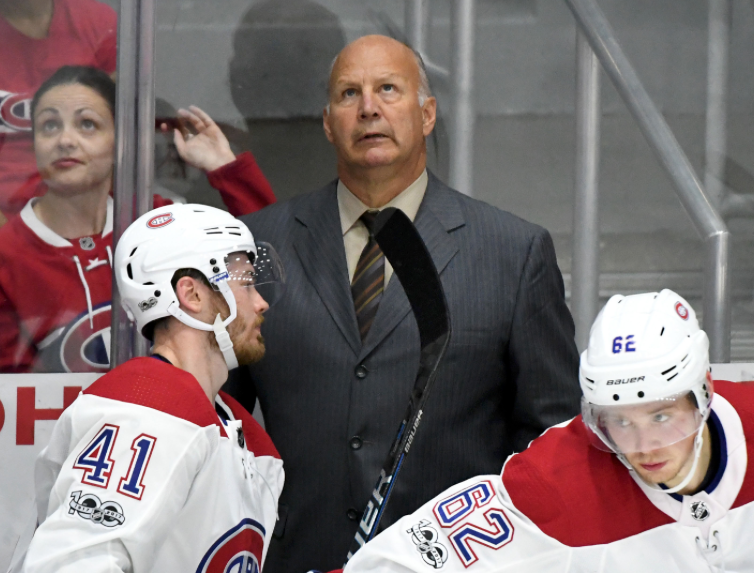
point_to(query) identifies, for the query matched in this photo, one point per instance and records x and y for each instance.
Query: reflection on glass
(41, 273)
(56, 257)
(38, 37)
(282, 51)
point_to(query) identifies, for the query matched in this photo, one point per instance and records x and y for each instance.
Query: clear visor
(642, 427)
(263, 272)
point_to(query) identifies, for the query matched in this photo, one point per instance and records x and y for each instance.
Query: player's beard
(248, 349)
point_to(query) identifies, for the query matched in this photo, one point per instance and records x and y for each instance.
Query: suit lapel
(319, 245)
(439, 214)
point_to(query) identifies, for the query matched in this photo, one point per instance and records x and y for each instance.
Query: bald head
(378, 117)
(388, 45)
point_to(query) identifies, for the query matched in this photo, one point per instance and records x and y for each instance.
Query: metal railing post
(585, 259)
(462, 76)
(718, 44)
(715, 153)
(417, 13)
(705, 217)
(417, 30)
(134, 149)
(716, 303)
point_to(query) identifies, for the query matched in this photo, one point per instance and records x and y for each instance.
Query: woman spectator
(38, 37)
(56, 256)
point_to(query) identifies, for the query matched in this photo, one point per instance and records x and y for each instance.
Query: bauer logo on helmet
(682, 311)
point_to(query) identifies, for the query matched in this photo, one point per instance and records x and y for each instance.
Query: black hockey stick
(407, 253)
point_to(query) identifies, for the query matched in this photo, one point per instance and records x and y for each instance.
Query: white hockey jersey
(563, 506)
(141, 474)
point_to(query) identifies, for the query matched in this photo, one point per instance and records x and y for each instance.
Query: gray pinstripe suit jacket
(333, 406)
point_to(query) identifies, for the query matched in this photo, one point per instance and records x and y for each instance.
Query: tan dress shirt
(355, 234)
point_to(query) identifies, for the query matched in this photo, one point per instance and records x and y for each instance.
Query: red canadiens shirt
(55, 293)
(82, 33)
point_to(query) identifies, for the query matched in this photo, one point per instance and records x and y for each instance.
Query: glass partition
(260, 67)
(56, 164)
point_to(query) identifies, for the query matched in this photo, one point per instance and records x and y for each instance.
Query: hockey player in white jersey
(153, 468)
(652, 477)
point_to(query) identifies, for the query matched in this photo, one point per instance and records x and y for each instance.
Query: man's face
(374, 118)
(667, 465)
(245, 330)
(657, 438)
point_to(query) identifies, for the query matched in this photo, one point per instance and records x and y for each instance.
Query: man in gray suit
(336, 380)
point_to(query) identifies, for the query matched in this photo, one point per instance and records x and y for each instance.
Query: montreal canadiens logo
(86, 345)
(238, 550)
(682, 311)
(15, 112)
(160, 221)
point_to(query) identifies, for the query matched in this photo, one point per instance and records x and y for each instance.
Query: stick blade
(412, 263)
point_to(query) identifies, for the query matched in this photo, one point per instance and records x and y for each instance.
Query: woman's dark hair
(92, 78)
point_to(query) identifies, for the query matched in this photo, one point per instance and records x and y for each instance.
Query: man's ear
(429, 115)
(191, 294)
(326, 122)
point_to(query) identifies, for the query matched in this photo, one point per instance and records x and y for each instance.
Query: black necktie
(369, 279)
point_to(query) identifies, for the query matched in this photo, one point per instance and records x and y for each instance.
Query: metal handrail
(708, 222)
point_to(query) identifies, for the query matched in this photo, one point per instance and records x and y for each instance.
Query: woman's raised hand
(207, 148)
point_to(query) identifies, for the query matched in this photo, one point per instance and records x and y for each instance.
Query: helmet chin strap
(219, 327)
(225, 343)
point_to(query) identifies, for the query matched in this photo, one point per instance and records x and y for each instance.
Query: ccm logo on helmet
(682, 311)
(160, 221)
(618, 381)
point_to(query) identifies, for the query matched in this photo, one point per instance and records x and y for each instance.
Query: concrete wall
(279, 50)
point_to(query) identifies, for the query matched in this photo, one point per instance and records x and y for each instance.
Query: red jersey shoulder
(155, 384)
(575, 493)
(258, 441)
(741, 397)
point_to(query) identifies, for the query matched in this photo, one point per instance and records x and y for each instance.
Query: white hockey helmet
(644, 349)
(199, 237)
